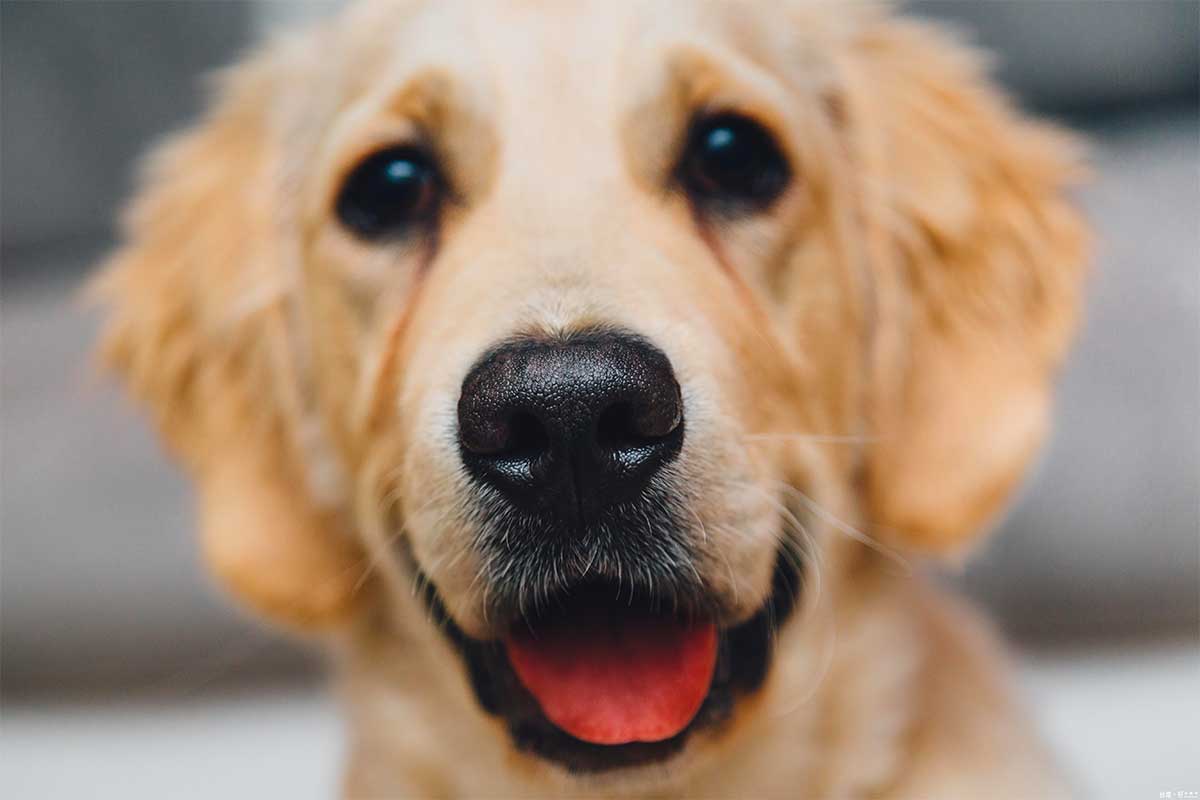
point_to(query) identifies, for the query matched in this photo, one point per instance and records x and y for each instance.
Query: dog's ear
(199, 330)
(978, 259)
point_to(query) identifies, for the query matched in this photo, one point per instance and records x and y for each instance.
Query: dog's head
(585, 325)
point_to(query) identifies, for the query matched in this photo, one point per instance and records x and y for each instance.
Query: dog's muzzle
(572, 444)
(605, 646)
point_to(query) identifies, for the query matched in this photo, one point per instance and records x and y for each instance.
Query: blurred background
(122, 669)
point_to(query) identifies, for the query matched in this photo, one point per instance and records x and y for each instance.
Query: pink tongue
(610, 681)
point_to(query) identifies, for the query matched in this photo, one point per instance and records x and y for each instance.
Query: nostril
(624, 425)
(520, 435)
(527, 437)
(615, 428)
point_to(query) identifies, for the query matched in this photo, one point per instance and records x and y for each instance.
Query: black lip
(744, 657)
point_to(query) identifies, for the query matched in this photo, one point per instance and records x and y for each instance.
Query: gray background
(101, 595)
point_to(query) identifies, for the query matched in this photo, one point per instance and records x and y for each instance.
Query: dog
(587, 377)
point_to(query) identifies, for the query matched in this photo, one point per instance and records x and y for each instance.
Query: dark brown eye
(390, 193)
(732, 165)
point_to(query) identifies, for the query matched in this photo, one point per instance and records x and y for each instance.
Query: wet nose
(568, 427)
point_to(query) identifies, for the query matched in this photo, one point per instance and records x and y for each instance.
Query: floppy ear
(199, 330)
(978, 261)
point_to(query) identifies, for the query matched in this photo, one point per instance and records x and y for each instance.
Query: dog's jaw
(743, 661)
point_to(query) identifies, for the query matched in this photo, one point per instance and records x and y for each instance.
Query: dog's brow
(719, 76)
(429, 97)
(431, 106)
(694, 76)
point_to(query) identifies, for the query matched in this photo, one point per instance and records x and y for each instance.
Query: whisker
(828, 650)
(810, 438)
(806, 539)
(850, 530)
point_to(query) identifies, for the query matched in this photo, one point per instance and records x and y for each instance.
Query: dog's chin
(605, 680)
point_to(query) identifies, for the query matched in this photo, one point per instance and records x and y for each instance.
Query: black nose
(569, 427)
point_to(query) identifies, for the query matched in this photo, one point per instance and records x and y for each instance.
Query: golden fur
(872, 357)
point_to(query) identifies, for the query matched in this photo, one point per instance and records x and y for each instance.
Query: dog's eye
(389, 192)
(732, 164)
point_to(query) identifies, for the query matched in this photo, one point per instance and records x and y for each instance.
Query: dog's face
(589, 323)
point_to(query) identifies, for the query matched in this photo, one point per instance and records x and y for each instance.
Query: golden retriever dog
(586, 375)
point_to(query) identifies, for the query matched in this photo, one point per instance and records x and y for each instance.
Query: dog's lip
(744, 656)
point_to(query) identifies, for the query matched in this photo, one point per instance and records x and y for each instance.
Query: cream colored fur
(872, 358)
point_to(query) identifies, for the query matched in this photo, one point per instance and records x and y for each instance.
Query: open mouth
(602, 679)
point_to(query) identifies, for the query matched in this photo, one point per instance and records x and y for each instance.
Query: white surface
(1124, 722)
(266, 743)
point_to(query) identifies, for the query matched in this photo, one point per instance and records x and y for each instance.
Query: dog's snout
(568, 427)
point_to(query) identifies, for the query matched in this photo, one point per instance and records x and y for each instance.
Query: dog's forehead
(520, 58)
(548, 43)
